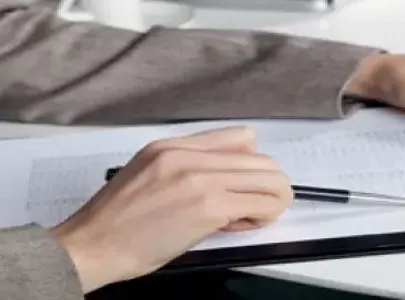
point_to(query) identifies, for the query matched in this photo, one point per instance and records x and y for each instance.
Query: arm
(34, 266)
(63, 73)
(106, 241)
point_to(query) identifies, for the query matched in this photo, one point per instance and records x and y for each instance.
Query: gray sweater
(56, 72)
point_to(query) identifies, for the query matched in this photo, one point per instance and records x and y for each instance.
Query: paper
(48, 179)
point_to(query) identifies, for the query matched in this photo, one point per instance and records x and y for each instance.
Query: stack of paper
(47, 179)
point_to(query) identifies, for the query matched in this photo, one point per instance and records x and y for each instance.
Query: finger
(232, 139)
(271, 182)
(177, 162)
(246, 225)
(225, 139)
(258, 210)
(242, 225)
(205, 167)
(235, 211)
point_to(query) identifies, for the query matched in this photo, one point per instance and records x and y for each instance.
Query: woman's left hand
(380, 77)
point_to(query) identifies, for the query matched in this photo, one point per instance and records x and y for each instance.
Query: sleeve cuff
(35, 266)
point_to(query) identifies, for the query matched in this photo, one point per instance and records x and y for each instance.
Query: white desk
(371, 22)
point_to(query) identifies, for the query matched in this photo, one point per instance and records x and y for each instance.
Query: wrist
(80, 258)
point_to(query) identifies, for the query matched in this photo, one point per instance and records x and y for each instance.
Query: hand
(393, 80)
(380, 77)
(172, 195)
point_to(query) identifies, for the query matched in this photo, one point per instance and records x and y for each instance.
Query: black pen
(343, 196)
(320, 194)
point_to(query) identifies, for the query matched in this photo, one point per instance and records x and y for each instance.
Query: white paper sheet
(47, 179)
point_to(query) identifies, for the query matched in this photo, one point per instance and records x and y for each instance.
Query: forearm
(34, 266)
(64, 73)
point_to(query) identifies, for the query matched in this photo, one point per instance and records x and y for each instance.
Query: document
(47, 179)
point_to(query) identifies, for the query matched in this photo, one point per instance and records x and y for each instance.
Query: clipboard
(288, 252)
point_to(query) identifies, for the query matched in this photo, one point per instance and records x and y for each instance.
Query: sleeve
(34, 266)
(57, 72)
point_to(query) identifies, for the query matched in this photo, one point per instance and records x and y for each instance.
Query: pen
(321, 194)
(343, 196)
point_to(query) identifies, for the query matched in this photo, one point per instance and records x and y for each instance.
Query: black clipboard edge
(289, 252)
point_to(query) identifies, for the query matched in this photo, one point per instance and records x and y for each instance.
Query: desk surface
(369, 22)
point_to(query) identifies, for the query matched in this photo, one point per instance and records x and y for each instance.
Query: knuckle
(167, 161)
(248, 132)
(245, 130)
(194, 181)
(156, 146)
(170, 156)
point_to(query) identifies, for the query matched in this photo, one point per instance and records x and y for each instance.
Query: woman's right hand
(172, 195)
